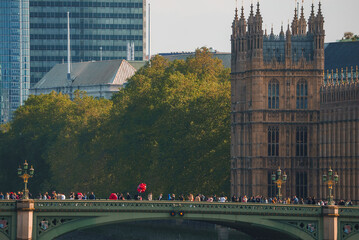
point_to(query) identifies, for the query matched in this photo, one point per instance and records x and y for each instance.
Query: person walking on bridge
(92, 196)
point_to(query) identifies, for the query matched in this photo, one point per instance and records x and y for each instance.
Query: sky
(184, 25)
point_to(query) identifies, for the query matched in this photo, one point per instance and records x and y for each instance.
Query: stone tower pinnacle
(311, 21)
(302, 27)
(295, 23)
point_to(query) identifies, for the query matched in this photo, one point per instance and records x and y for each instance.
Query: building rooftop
(341, 55)
(89, 73)
(225, 57)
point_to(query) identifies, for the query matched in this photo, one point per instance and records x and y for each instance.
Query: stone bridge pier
(25, 214)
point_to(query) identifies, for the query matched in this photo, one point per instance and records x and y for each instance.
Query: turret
(251, 30)
(242, 24)
(242, 41)
(271, 36)
(319, 35)
(311, 21)
(295, 23)
(234, 39)
(239, 41)
(302, 25)
(288, 46)
(256, 35)
(281, 34)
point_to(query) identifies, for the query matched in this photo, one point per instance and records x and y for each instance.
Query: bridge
(48, 219)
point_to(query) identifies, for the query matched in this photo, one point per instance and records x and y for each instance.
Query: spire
(302, 10)
(281, 34)
(312, 12)
(242, 12)
(302, 22)
(288, 30)
(320, 19)
(258, 9)
(311, 20)
(236, 14)
(295, 23)
(320, 8)
(242, 23)
(295, 13)
(258, 20)
(271, 36)
(251, 21)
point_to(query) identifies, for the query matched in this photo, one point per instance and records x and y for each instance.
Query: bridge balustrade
(47, 219)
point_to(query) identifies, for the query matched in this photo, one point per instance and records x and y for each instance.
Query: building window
(272, 189)
(273, 141)
(273, 95)
(301, 182)
(302, 95)
(301, 142)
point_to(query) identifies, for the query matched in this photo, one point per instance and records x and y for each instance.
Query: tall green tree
(55, 134)
(173, 128)
(35, 127)
(76, 159)
(169, 128)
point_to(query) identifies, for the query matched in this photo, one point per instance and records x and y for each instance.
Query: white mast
(149, 31)
(128, 51)
(68, 48)
(132, 51)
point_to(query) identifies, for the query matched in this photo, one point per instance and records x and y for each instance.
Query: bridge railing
(240, 208)
(7, 205)
(160, 206)
(348, 212)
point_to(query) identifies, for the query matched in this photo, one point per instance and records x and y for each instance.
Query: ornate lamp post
(330, 180)
(25, 174)
(279, 179)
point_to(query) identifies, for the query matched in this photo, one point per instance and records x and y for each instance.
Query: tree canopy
(349, 36)
(169, 127)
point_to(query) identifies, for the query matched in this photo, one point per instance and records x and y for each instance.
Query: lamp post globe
(25, 173)
(279, 179)
(330, 181)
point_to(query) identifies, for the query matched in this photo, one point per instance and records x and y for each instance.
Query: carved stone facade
(279, 117)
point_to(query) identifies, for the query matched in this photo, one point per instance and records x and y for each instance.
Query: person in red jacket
(113, 196)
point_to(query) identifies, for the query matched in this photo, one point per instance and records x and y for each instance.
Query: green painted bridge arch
(71, 216)
(48, 219)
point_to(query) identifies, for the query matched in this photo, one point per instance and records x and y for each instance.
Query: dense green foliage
(169, 128)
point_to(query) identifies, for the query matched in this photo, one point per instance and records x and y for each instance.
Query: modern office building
(14, 56)
(100, 30)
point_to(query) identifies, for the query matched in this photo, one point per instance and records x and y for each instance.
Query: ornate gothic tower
(276, 83)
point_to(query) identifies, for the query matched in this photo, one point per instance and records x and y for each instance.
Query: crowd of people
(172, 197)
(287, 200)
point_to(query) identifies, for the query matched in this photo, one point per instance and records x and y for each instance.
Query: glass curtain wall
(14, 56)
(100, 29)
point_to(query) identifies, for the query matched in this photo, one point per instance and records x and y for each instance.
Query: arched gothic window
(273, 141)
(302, 95)
(301, 142)
(273, 95)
